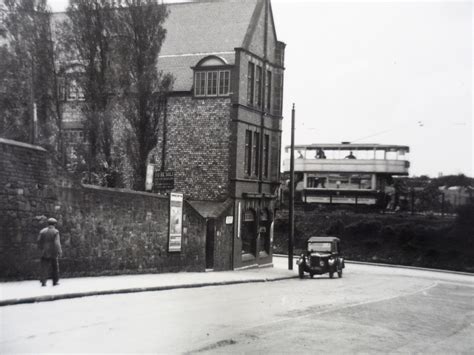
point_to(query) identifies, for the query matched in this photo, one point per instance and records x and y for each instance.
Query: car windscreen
(319, 247)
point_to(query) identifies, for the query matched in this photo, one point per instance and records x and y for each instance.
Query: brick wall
(198, 138)
(103, 231)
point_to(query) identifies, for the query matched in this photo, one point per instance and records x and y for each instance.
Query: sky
(387, 72)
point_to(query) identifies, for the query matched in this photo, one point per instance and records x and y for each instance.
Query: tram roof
(351, 146)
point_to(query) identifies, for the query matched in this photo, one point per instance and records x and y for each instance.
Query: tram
(346, 173)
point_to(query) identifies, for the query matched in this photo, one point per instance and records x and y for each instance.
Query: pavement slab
(20, 292)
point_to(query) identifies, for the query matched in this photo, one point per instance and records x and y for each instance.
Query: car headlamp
(331, 261)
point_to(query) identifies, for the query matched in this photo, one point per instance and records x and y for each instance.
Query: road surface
(371, 309)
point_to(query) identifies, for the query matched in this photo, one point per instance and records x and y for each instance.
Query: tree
(28, 75)
(139, 35)
(86, 40)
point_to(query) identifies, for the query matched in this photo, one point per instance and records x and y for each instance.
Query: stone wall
(103, 231)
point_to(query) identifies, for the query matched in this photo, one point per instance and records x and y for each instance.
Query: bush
(465, 215)
(336, 228)
(364, 228)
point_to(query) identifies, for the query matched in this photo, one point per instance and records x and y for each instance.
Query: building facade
(221, 131)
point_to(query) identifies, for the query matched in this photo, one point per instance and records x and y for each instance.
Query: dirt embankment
(425, 241)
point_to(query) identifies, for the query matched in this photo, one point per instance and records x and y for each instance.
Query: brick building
(221, 134)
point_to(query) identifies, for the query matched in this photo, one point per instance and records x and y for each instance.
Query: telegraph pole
(292, 192)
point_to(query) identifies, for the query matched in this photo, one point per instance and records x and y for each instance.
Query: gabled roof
(207, 26)
(201, 28)
(198, 29)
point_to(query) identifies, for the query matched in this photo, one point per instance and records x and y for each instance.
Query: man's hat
(52, 221)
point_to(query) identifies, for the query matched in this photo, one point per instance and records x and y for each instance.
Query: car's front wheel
(339, 273)
(300, 272)
(331, 274)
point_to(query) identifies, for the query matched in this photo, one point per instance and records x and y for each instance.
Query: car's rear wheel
(300, 272)
(311, 275)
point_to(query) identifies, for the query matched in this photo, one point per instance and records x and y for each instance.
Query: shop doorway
(210, 236)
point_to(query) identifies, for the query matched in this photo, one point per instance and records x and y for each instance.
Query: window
(74, 91)
(224, 82)
(250, 83)
(212, 83)
(258, 86)
(268, 90)
(248, 153)
(200, 84)
(278, 93)
(266, 147)
(256, 152)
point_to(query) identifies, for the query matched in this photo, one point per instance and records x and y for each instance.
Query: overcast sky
(395, 72)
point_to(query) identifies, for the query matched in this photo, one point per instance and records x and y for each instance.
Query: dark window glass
(268, 90)
(256, 152)
(258, 86)
(200, 84)
(266, 147)
(248, 152)
(265, 226)
(249, 233)
(250, 83)
(224, 82)
(278, 93)
(212, 83)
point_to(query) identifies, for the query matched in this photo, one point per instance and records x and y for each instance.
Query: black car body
(322, 255)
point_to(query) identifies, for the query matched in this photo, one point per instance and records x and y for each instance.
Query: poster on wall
(150, 169)
(176, 222)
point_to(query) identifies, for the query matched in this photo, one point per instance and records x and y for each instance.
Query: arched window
(212, 77)
(249, 232)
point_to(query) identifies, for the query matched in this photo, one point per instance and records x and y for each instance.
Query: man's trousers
(48, 266)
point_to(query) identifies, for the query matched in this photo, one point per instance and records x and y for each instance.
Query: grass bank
(425, 240)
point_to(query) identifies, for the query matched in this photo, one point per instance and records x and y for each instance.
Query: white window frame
(206, 74)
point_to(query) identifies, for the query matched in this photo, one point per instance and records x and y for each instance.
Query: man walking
(50, 247)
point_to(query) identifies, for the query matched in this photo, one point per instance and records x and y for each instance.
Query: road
(371, 310)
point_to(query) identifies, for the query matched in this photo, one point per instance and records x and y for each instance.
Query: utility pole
(292, 192)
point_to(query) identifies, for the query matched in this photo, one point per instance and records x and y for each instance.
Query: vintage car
(322, 255)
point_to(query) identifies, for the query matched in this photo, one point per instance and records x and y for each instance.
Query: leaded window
(200, 84)
(211, 83)
(224, 82)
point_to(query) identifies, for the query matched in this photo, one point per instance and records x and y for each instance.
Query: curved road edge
(390, 265)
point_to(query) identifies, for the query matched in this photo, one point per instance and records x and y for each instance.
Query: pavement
(20, 292)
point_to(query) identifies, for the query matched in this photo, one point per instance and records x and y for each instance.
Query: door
(210, 235)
